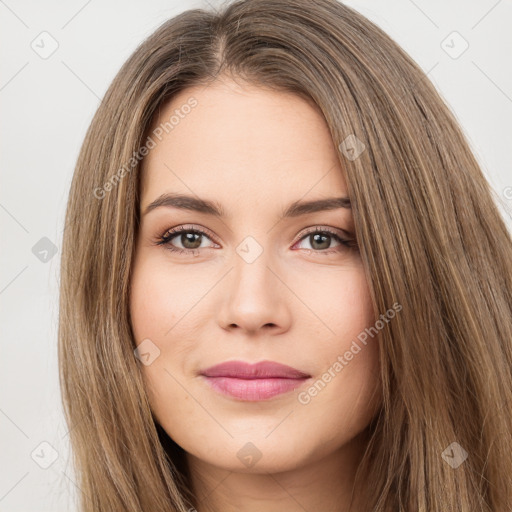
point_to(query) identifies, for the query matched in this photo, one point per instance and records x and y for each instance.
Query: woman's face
(259, 285)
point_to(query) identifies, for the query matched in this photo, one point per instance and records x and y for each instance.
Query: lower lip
(253, 390)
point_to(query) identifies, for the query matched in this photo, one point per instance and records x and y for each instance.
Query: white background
(46, 106)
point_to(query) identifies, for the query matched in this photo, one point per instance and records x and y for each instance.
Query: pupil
(316, 238)
(191, 238)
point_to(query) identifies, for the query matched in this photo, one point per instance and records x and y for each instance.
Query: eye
(320, 240)
(191, 239)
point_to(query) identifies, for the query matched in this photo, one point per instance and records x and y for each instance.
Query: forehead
(244, 142)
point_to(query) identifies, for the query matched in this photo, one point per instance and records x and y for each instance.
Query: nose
(254, 298)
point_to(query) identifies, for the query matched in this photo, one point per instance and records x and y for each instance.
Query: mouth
(253, 382)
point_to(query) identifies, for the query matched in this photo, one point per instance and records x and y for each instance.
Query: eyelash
(168, 235)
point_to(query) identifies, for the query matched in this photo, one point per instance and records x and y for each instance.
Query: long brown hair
(430, 235)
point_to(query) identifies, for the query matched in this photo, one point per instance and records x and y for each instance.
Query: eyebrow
(296, 209)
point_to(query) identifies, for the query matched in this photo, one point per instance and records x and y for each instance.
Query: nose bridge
(251, 273)
(254, 298)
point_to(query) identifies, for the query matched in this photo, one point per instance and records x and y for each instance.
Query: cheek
(165, 302)
(157, 303)
(346, 387)
(340, 307)
(160, 297)
(351, 314)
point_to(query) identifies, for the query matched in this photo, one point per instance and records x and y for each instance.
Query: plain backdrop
(57, 60)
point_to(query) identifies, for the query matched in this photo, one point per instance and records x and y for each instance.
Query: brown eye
(189, 239)
(321, 241)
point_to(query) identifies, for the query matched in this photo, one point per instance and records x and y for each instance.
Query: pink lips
(253, 382)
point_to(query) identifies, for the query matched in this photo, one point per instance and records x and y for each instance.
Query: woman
(213, 356)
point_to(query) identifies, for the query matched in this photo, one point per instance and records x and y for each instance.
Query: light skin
(301, 302)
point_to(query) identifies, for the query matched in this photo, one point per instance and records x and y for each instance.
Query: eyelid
(342, 236)
(311, 229)
(328, 229)
(171, 232)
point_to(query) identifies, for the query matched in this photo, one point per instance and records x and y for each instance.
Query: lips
(253, 382)
(264, 369)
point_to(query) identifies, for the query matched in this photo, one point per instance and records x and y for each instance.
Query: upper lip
(261, 370)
